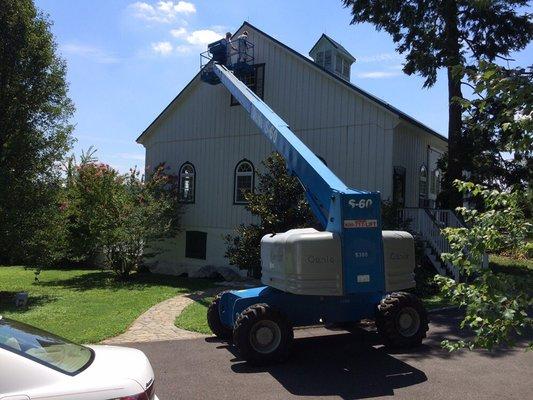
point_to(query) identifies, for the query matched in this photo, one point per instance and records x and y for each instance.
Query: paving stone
(157, 324)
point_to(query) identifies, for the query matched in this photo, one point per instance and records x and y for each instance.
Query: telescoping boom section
(351, 215)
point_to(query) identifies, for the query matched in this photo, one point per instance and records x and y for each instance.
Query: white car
(35, 364)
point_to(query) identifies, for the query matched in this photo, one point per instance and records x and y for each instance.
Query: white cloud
(163, 12)
(162, 48)
(179, 32)
(380, 57)
(183, 49)
(92, 53)
(378, 74)
(203, 37)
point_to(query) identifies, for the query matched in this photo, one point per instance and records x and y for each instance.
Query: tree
(121, 217)
(35, 134)
(498, 126)
(280, 204)
(496, 304)
(438, 34)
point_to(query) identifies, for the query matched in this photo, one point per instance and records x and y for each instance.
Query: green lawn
(86, 306)
(193, 317)
(510, 265)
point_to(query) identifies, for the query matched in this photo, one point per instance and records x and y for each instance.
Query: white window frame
(186, 178)
(250, 172)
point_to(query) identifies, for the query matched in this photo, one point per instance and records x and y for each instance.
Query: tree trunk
(451, 197)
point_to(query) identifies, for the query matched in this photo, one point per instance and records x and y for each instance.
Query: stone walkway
(157, 323)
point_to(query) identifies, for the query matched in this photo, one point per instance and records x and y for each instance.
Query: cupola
(332, 56)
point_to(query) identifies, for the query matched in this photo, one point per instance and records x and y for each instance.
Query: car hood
(120, 362)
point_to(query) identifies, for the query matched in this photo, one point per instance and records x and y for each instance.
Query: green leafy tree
(496, 304)
(35, 134)
(498, 126)
(435, 34)
(121, 217)
(279, 203)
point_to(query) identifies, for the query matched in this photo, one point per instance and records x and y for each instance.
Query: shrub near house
(117, 215)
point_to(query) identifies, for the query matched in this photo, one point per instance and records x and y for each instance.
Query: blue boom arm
(319, 181)
(353, 214)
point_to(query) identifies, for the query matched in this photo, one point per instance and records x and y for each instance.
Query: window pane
(327, 59)
(346, 69)
(320, 58)
(187, 177)
(195, 244)
(244, 185)
(255, 81)
(338, 64)
(244, 167)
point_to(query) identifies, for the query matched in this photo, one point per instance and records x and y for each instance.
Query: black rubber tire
(242, 334)
(388, 314)
(213, 319)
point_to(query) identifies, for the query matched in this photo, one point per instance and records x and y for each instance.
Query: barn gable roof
(357, 89)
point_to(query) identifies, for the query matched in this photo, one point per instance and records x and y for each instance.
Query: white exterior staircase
(427, 223)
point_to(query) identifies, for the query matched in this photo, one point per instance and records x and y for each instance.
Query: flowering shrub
(121, 217)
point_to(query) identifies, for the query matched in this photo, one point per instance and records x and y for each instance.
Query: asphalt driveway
(337, 365)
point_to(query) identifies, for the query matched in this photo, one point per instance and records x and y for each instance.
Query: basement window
(195, 245)
(255, 81)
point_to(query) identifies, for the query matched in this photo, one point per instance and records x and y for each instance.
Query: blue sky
(128, 59)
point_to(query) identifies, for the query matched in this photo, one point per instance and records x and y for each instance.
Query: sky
(128, 59)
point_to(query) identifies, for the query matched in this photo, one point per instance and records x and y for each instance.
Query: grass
(193, 317)
(86, 306)
(510, 265)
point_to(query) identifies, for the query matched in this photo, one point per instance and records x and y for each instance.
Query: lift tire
(262, 335)
(401, 320)
(213, 319)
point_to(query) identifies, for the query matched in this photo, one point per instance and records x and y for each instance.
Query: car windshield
(44, 347)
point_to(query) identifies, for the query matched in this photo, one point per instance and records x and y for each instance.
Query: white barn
(212, 144)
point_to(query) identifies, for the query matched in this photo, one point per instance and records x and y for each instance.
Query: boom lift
(349, 272)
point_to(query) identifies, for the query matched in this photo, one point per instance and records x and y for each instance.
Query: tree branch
(473, 88)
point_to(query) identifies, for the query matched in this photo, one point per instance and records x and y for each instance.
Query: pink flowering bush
(121, 217)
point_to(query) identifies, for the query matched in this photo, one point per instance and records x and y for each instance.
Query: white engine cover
(309, 262)
(399, 260)
(302, 261)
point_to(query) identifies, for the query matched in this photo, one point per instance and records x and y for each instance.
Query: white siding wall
(353, 134)
(411, 152)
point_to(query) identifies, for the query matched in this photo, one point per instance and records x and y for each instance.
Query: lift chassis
(348, 272)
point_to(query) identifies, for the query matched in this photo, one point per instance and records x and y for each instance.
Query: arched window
(187, 182)
(423, 184)
(243, 181)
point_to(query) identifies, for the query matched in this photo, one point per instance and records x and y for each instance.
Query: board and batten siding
(352, 133)
(411, 152)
